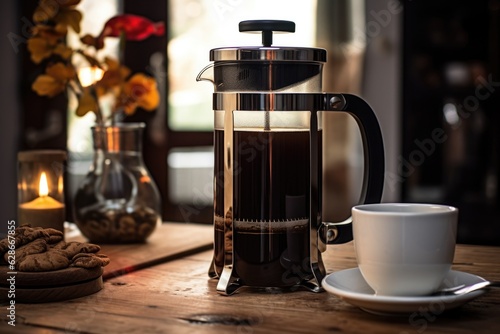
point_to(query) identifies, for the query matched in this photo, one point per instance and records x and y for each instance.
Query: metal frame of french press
(321, 233)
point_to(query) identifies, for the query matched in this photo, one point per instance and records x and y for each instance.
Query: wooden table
(163, 287)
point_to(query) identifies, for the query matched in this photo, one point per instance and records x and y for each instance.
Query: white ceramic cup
(404, 249)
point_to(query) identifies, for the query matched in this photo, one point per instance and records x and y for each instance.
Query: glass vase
(118, 201)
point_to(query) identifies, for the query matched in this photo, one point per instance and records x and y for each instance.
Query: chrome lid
(277, 53)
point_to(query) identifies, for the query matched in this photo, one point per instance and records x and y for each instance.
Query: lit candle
(44, 211)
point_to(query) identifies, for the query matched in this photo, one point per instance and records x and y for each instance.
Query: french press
(268, 108)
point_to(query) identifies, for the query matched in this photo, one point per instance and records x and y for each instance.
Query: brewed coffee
(272, 254)
(271, 206)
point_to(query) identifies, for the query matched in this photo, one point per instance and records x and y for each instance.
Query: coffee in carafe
(271, 206)
(268, 163)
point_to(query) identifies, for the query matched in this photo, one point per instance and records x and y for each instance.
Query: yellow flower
(54, 81)
(51, 33)
(63, 51)
(61, 11)
(70, 18)
(139, 91)
(86, 103)
(113, 77)
(46, 41)
(39, 48)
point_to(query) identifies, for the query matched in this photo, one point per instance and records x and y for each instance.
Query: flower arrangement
(47, 45)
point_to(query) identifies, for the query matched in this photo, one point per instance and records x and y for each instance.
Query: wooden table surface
(163, 287)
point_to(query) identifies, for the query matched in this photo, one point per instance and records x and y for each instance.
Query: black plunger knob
(267, 27)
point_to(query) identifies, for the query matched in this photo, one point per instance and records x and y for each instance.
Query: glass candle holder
(41, 188)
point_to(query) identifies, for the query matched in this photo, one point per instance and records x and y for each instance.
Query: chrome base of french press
(229, 284)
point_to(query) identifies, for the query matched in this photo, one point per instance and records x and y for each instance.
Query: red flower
(135, 28)
(139, 91)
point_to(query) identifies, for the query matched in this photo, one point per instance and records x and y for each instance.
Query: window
(196, 26)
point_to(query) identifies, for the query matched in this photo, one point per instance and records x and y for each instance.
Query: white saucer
(350, 286)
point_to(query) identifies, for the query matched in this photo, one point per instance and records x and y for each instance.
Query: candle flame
(43, 188)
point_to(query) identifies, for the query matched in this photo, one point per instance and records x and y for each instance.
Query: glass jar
(118, 201)
(41, 188)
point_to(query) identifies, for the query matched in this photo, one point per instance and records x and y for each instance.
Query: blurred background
(429, 69)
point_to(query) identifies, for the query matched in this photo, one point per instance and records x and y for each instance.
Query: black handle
(267, 27)
(374, 169)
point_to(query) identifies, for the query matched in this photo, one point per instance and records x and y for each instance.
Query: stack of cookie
(43, 249)
(38, 266)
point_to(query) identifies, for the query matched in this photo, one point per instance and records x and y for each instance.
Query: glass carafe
(118, 201)
(268, 109)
